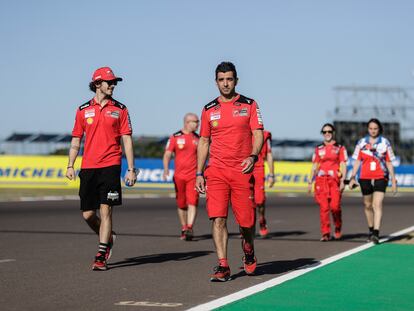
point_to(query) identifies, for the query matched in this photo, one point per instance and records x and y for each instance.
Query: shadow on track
(279, 267)
(157, 258)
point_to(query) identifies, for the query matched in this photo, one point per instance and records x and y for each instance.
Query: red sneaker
(221, 274)
(249, 264)
(338, 234)
(99, 263)
(325, 238)
(263, 232)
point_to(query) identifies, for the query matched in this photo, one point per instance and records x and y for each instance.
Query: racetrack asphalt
(46, 252)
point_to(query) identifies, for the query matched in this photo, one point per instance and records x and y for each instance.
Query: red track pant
(328, 196)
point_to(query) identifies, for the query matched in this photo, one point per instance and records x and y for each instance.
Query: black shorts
(100, 186)
(369, 186)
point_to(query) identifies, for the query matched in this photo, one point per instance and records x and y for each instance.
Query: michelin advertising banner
(49, 172)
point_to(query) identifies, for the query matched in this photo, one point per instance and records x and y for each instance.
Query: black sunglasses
(327, 132)
(112, 82)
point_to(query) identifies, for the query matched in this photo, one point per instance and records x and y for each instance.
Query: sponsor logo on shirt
(89, 113)
(113, 114)
(214, 123)
(89, 121)
(215, 116)
(240, 112)
(259, 116)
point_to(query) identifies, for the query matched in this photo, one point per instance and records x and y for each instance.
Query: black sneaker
(189, 234)
(375, 239)
(221, 274)
(369, 238)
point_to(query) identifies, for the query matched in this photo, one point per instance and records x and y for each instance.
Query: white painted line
(289, 276)
(6, 260)
(149, 304)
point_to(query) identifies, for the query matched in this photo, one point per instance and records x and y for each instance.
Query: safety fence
(49, 172)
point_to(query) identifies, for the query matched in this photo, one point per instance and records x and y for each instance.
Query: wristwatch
(255, 157)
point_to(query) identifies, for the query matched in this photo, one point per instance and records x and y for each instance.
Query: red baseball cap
(105, 74)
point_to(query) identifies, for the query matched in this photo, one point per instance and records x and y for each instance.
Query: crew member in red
(184, 145)
(329, 172)
(259, 180)
(375, 154)
(227, 126)
(104, 122)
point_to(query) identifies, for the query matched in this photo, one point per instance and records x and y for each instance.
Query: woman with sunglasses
(328, 172)
(375, 155)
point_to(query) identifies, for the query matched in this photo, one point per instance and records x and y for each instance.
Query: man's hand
(131, 177)
(70, 173)
(200, 184)
(247, 165)
(310, 184)
(271, 180)
(352, 183)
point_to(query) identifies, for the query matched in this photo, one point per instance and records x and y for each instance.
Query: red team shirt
(329, 157)
(185, 148)
(229, 126)
(103, 128)
(373, 157)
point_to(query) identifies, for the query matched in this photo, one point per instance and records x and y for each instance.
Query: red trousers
(328, 196)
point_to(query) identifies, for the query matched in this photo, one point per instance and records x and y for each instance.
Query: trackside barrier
(49, 172)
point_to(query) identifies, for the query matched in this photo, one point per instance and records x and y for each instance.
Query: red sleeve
(170, 144)
(205, 130)
(125, 126)
(78, 128)
(256, 121)
(343, 155)
(315, 157)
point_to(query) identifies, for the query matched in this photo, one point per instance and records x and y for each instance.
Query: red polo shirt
(229, 126)
(329, 156)
(103, 128)
(185, 148)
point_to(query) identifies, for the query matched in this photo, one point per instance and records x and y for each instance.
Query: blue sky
(289, 55)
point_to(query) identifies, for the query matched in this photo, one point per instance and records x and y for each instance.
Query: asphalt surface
(46, 252)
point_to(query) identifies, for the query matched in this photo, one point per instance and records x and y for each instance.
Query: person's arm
(271, 166)
(312, 176)
(342, 169)
(248, 163)
(202, 152)
(166, 162)
(73, 154)
(391, 172)
(132, 172)
(355, 168)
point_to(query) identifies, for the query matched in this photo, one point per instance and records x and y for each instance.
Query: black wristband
(69, 167)
(132, 170)
(199, 174)
(255, 157)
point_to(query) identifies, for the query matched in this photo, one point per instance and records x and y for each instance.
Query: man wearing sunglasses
(104, 122)
(184, 145)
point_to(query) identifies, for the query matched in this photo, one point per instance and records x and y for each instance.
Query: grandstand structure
(393, 106)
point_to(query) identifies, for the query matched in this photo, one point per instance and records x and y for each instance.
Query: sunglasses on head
(327, 132)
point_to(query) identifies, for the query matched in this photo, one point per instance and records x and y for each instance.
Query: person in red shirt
(329, 172)
(259, 181)
(227, 126)
(375, 154)
(184, 145)
(104, 122)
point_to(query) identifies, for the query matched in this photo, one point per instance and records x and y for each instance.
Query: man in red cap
(232, 135)
(184, 145)
(104, 122)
